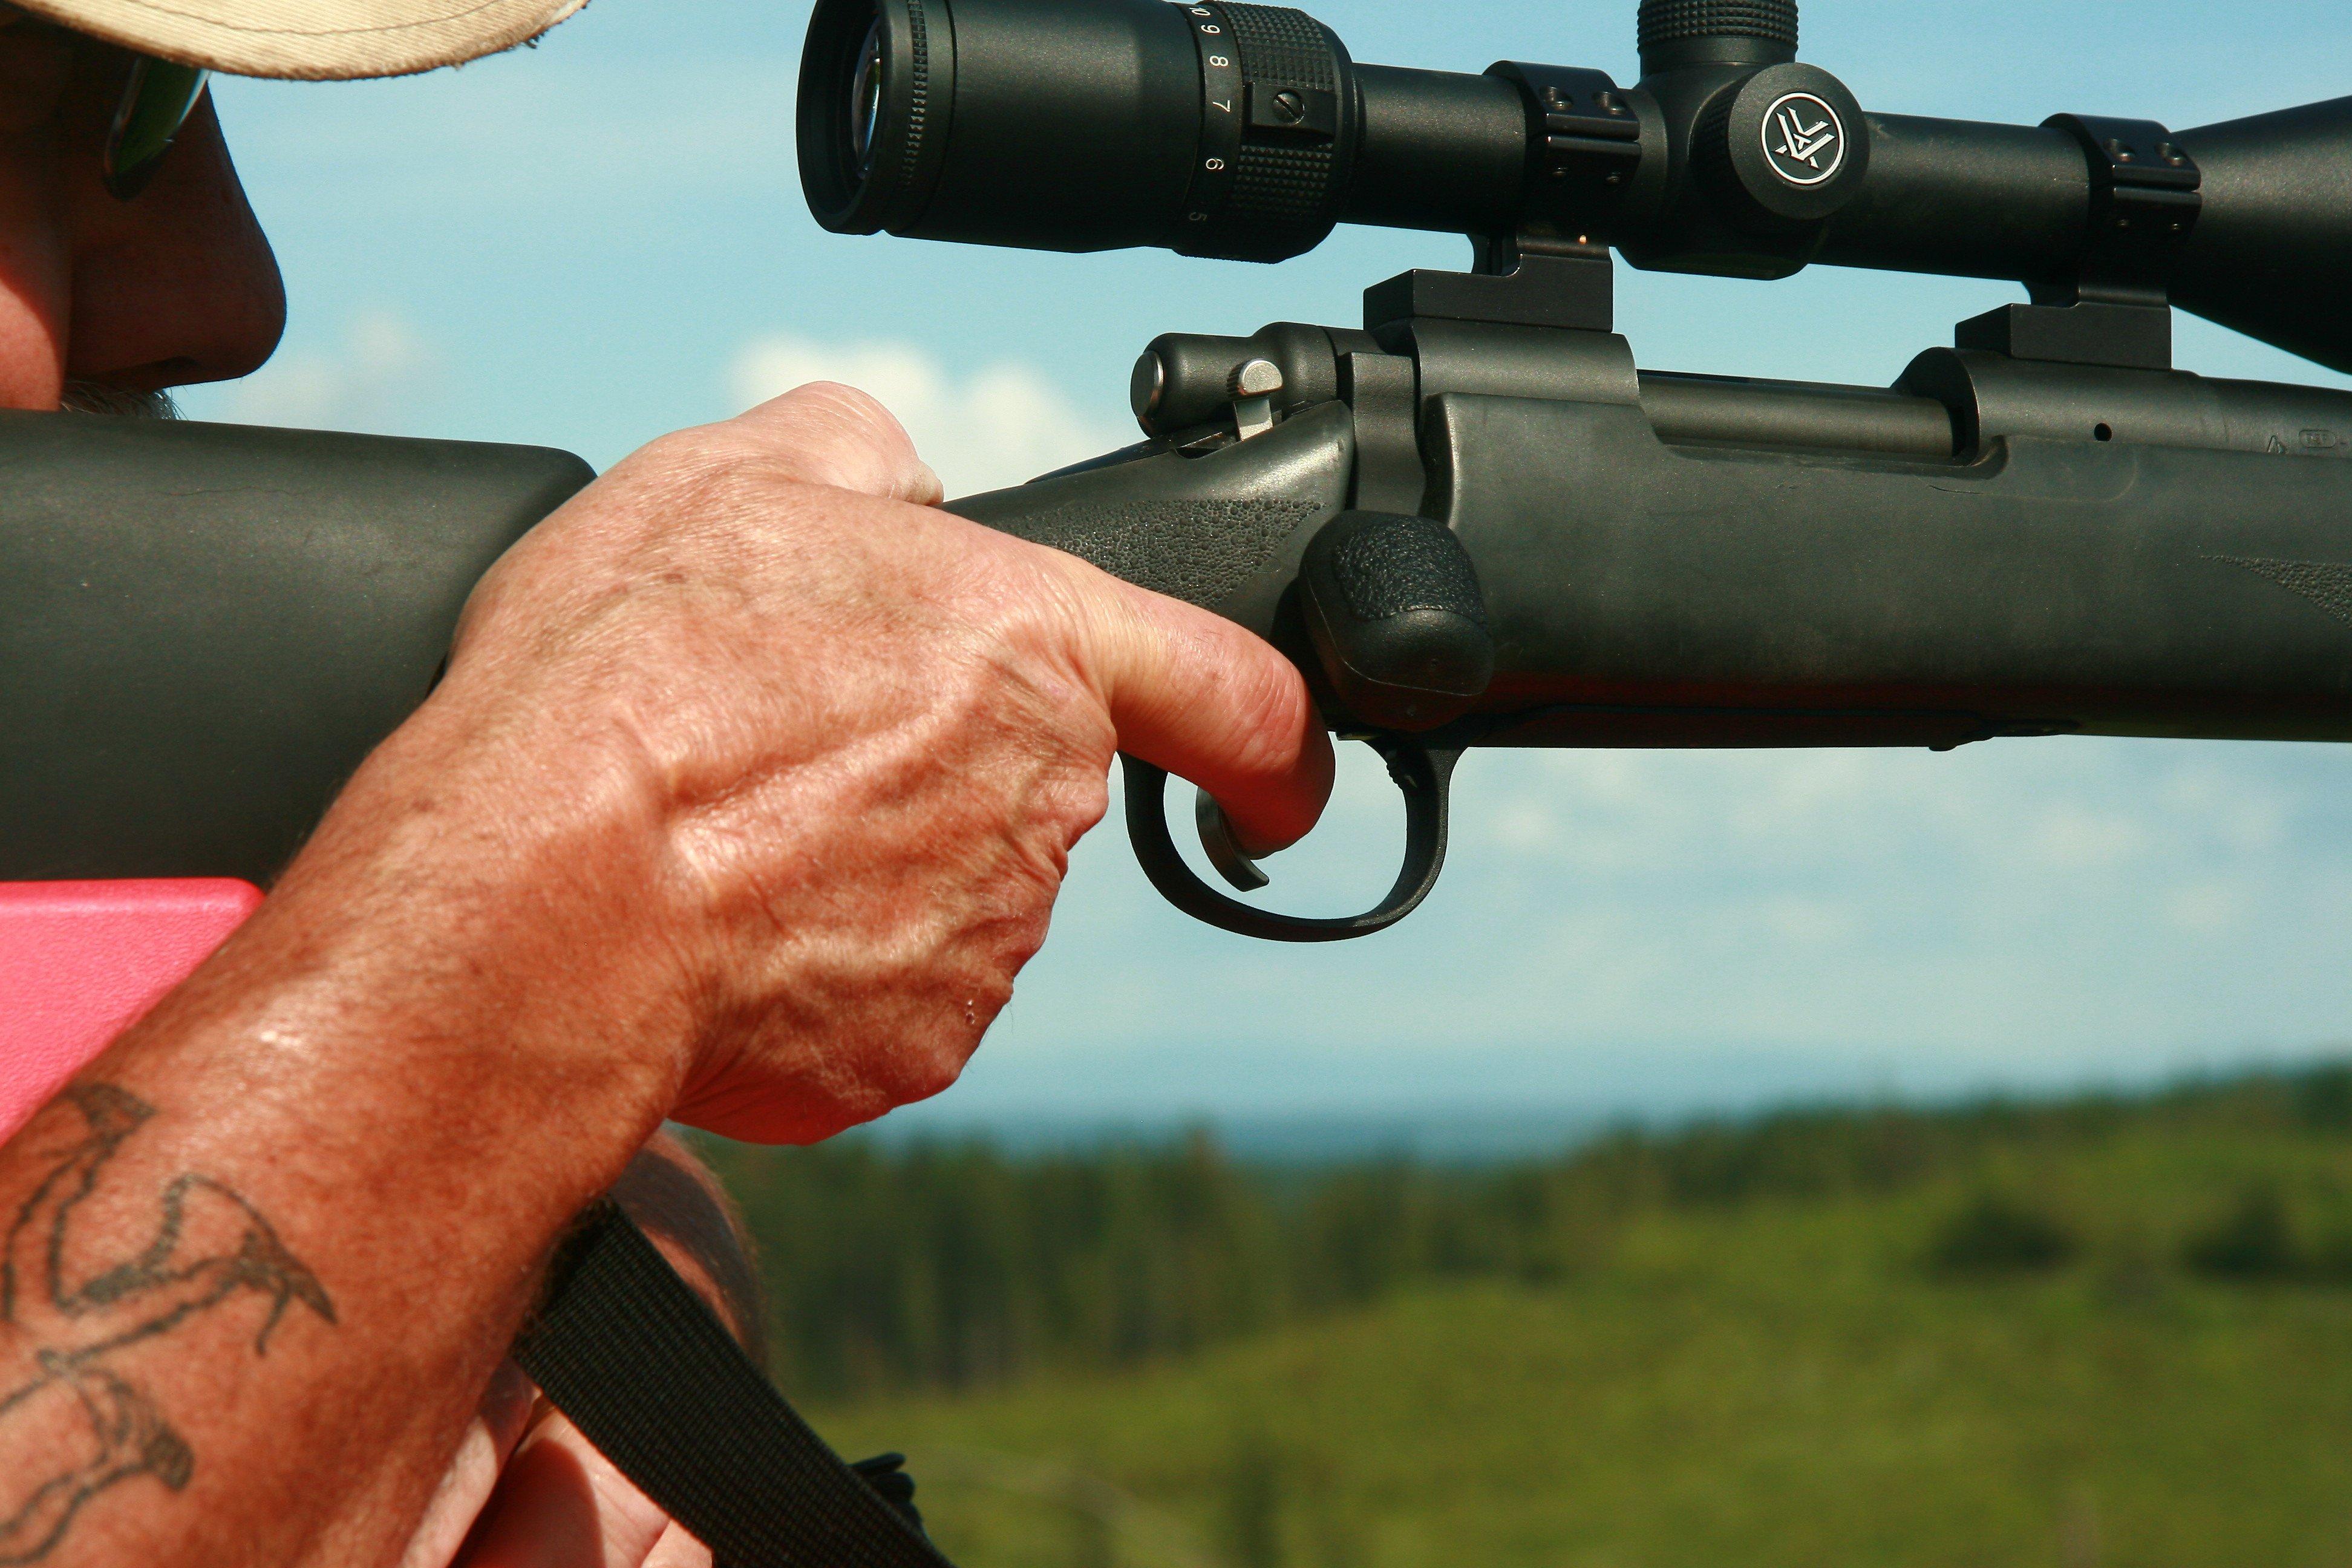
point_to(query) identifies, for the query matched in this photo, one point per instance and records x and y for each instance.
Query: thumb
(828, 433)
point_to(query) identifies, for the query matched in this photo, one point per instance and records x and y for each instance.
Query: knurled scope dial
(1276, 118)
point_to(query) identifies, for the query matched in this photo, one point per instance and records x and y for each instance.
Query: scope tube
(1221, 128)
(1966, 199)
(1441, 150)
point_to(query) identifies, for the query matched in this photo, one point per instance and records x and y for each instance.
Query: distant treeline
(947, 1265)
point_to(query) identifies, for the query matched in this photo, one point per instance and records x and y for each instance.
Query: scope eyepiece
(1212, 129)
(872, 115)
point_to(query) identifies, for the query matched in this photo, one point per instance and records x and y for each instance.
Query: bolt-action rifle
(1474, 522)
(1471, 522)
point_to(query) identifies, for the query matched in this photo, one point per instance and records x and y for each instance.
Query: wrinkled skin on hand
(825, 750)
(746, 796)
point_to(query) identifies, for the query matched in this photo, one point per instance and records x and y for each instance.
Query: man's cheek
(34, 297)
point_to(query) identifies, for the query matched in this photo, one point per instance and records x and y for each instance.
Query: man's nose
(177, 285)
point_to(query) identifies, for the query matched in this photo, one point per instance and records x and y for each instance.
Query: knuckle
(683, 455)
(856, 412)
(1269, 702)
(1081, 802)
(830, 434)
(931, 1071)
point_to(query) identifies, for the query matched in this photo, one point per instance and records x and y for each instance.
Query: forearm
(265, 1254)
(746, 796)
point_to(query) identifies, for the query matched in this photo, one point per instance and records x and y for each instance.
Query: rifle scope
(1217, 129)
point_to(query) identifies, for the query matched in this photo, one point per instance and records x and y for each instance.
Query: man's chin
(99, 397)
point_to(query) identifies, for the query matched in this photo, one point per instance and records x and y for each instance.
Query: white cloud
(1000, 426)
(379, 378)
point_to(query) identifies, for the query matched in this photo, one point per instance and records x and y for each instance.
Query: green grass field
(1783, 1381)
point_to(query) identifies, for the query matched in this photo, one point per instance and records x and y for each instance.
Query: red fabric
(82, 961)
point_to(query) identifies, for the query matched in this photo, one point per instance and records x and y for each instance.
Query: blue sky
(602, 238)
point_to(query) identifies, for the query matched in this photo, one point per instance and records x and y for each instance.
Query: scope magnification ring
(1223, 103)
(1277, 133)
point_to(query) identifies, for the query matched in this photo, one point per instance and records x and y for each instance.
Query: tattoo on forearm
(210, 1246)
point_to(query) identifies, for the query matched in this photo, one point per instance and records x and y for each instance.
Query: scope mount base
(1512, 288)
(2104, 332)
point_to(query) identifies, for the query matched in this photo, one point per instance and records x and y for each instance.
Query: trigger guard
(1422, 775)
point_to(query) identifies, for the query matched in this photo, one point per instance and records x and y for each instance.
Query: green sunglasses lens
(156, 102)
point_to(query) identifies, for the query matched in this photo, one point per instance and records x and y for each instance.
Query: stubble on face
(99, 397)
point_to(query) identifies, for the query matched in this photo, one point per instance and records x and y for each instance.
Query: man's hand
(747, 794)
(794, 762)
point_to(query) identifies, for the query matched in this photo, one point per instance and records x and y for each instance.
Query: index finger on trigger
(1208, 700)
(828, 433)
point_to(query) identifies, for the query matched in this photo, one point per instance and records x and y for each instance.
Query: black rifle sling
(642, 1367)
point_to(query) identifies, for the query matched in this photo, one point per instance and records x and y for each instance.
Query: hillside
(2108, 1334)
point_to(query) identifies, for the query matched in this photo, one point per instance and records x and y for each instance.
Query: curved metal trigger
(1424, 774)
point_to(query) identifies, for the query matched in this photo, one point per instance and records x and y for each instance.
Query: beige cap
(314, 40)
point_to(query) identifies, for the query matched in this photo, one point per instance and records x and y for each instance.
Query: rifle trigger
(1223, 846)
(1422, 772)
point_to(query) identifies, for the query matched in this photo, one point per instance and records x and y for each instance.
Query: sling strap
(645, 1369)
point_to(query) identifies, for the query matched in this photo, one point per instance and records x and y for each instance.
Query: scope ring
(1424, 774)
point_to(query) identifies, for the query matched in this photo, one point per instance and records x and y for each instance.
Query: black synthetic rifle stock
(204, 628)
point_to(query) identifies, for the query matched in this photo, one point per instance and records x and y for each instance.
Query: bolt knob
(1256, 378)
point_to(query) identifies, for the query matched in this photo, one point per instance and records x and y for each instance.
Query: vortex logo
(1804, 141)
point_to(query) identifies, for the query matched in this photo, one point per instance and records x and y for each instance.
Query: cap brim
(310, 40)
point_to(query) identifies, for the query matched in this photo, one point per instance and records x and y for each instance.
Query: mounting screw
(1289, 106)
